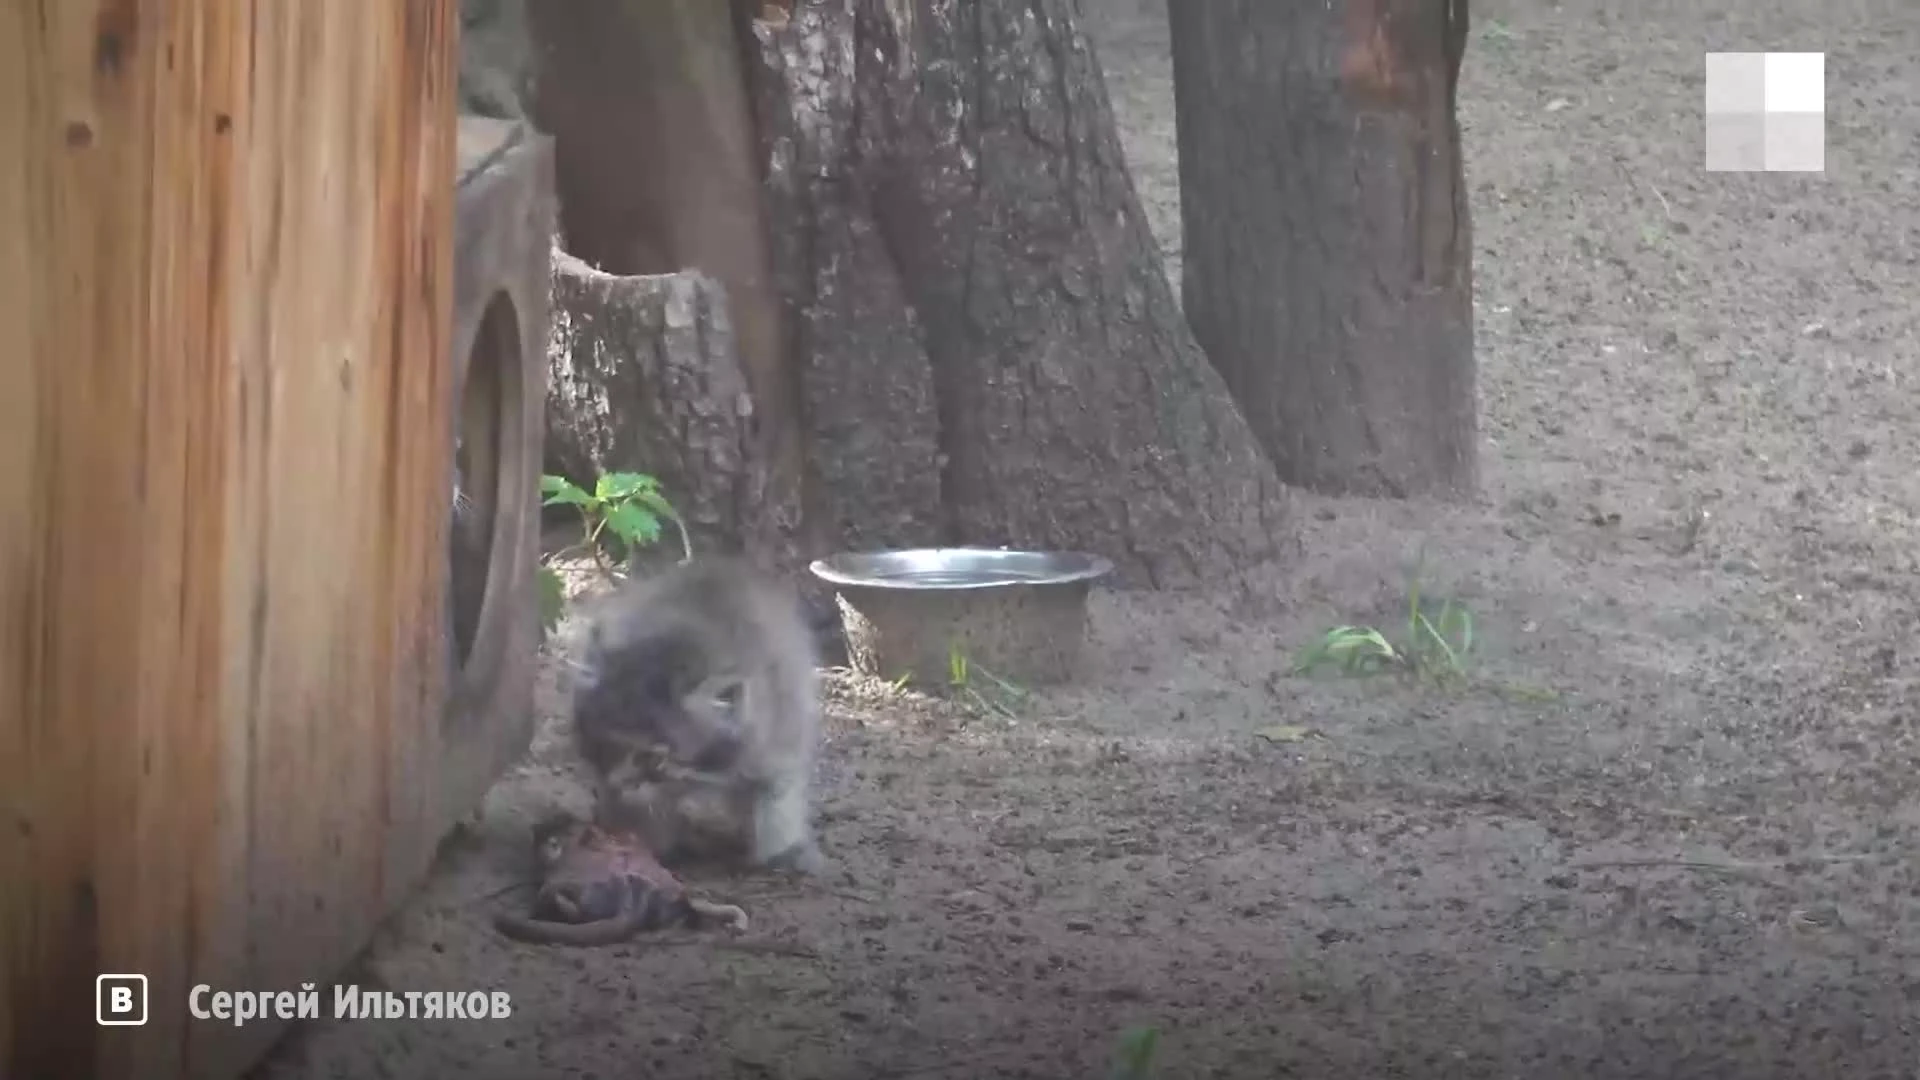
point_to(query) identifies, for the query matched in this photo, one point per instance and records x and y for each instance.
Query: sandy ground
(1668, 828)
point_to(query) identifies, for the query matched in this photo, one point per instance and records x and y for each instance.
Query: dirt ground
(1667, 830)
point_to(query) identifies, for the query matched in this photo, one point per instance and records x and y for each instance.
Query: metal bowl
(959, 568)
(1020, 616)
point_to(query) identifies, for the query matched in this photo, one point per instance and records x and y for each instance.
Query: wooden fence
(226, 261)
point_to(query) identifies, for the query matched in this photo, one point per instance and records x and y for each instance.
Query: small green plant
(1133, 1059)
(992, 695)
(1435, 644)
(628, 505)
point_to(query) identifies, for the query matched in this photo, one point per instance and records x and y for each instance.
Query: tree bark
(866, 384)
(643, 375)
(1328, 251)
(988, 348)
(658, 170)
(496, 60)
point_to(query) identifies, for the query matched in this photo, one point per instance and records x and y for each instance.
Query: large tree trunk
(989, 350)
(977, 341)
(658, 170)
(1327, 253)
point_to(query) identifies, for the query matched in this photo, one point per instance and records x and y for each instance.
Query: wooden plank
(225, 247)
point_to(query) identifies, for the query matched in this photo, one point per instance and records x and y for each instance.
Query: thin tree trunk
(1328, 252)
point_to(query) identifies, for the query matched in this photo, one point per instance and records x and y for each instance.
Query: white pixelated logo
(1766, 112)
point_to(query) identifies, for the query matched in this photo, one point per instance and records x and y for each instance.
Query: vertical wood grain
(225, 261)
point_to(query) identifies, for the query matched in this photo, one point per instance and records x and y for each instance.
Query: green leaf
(1285, 733)
(1355, 649)
(1138, 1047)
(1465, 620)
(1357, 640)
(1009, 690)
(635, 527)
(561, 491)
(620, 486)
(652, 499)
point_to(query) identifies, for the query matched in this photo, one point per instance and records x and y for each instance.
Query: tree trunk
(496, 59)
(975, 339)
(643, 375)
(658, 170)
(988, 348)
(867, 390)
(1328, 255)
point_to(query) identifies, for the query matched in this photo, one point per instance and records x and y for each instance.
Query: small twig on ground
(1635, 178)
(1663, 199)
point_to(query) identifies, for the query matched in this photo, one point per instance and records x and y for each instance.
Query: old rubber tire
(501, 270)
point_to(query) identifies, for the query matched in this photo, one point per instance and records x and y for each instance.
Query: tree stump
(643, 376)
